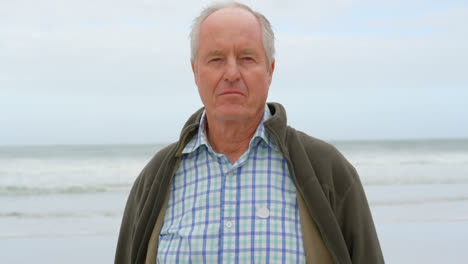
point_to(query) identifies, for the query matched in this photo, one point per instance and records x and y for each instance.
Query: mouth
(231, 93)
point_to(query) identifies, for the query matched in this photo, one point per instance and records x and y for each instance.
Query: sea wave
(56, 234)
(419, 201)
(400, 176)
(13, 190)
(412, 180)
(60, 214)
(423, 220)
(405, 160)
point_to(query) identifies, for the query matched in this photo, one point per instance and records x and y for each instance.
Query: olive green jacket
(337, 225)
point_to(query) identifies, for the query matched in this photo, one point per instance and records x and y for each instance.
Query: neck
(232, 137)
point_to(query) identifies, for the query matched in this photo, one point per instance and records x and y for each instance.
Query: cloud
(59, 58)
(429, 50)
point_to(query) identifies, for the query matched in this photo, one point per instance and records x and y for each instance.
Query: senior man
(240, 186)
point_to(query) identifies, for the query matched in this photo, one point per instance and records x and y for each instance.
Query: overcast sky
(102, 71)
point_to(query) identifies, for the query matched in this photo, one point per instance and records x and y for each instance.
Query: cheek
(206, 83)
(207, 78)
(260, 81)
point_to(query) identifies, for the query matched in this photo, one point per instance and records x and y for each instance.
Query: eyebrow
(248, 52)
(214, 53)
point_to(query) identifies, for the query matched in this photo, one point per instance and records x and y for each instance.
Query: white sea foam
(72, 170)
(61, 214)
(92, 169)
(69, 193)
(58, 171)
(413, 174)
(410, 159)
(71, 189)
(421, 200)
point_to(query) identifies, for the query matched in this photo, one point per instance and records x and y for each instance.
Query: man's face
(232, 74)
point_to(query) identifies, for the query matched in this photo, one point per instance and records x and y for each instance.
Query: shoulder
(331, 168)
(160, 156)
(151, 172)
(315, 146)
(317, 150)
(155, 164)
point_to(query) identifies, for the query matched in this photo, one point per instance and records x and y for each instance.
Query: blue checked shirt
(220, 212)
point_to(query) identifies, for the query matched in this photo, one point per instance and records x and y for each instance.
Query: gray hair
(268, 37)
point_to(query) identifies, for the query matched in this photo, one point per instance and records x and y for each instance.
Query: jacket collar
(276, 125)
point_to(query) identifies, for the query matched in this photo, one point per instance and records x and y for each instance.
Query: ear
(270, 72)
(194, 70)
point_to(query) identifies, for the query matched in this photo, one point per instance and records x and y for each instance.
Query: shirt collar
(201, 138)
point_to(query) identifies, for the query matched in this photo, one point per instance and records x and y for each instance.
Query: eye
(215, 59)
(248, 58)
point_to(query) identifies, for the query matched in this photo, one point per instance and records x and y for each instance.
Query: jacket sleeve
(125, 242)
(355, 219)
(144, 202)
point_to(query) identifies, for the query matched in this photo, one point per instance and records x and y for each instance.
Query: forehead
(231, 24)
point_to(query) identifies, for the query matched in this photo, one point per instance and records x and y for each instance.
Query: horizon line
(170, 142)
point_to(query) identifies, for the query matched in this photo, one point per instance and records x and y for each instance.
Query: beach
(63, 204)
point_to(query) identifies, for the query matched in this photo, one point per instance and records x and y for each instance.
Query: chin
(231, 112)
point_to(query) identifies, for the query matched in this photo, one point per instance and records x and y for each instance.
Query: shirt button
(230, 174)
(263, 212)
(228, 224)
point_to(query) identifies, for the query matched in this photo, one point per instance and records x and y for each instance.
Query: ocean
(65, 203)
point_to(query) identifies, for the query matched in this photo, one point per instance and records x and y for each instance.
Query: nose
(231, 73)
